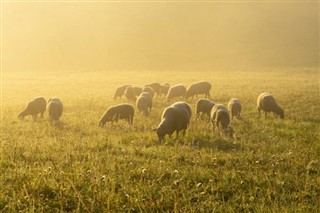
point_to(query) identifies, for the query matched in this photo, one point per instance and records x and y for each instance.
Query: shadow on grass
(218, 143)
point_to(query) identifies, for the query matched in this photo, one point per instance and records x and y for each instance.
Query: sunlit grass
(272, 165)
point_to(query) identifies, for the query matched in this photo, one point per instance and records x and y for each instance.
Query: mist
(82, 36)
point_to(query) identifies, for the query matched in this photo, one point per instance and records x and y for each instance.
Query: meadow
(271, 165)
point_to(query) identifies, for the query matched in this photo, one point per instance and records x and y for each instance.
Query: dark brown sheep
(220, 118)
(55, 109)
(144, 103)
(120, 111)
(174, 119)
(198, 88)
(176, 91)
(267, 103)
(120, 91)
(33, 108)
(204, 106)
(234, 107)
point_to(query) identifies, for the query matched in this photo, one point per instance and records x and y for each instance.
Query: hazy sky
(159, 36)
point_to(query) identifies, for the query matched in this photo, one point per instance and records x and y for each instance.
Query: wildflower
(176, 171)
(143, 170)
(103, 178)
(199, 184)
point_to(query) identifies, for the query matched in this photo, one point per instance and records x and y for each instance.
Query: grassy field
(271, 165)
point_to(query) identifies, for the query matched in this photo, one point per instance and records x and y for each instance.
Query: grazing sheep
(55, 109)
(176, 91)
(164, 89)
(130, 93)
(137, 90)
(234, 107)
(33, 108)
(116, 112)
(202, 87)
(174, 119)
(149, 90)
(155, 86)
(120, 91)
(220, 117)
(204, 106)
(267, 103)
(144, 103)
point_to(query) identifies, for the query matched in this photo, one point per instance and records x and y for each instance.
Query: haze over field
(159, 36)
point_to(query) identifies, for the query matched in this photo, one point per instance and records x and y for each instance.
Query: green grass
(272, 165)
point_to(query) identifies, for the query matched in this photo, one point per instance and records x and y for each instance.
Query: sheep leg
(265, 114)
(42, 113)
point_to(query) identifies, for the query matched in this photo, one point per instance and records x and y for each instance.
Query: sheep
(116, 112)
(176, 91)
(234, 107)
(267, 103)
(137, 90)
(164, 89)
(130, 93)
(202, 87)
(220, 118)
(33, 108)
(155, 86)
(149, 90)
(204, 106)
(174, 119)
(55, 109)
(144, 103)
(120, 91)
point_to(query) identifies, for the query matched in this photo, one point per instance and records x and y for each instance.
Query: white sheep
(144, 103)
(33, 108)
(176, 91)
(202, 87)
(267, 103)
(234, 107)
(204, 106)
(149, 90)
(155, 86)
(174, 119)
(55, 109)
(120, 91)
(129, 93)
(116, 112)
(220, 118)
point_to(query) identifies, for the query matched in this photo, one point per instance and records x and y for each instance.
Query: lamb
(137, 90)
(55, 109)
(164, 89)
(144, 103)
(33, 108)
(234, 107)
(120, 91)
(116, 112)
(220, 118)
(174, 119)
(149, 90)
(202, 87)
(267, 103)
(176, 91)
(204, 106)
(130, 93)
(155, 86)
